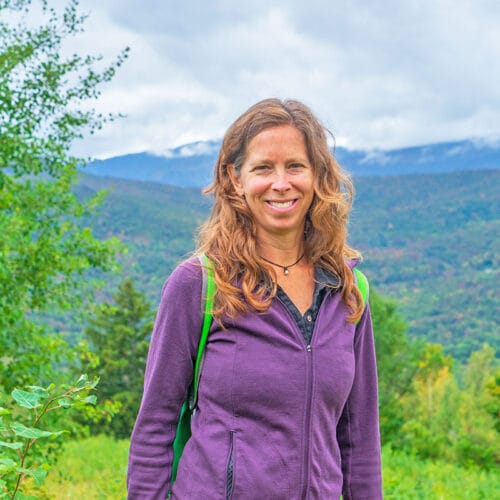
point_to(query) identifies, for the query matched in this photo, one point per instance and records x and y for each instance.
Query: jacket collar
(325, 278)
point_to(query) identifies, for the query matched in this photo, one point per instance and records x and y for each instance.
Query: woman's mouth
(281, 204)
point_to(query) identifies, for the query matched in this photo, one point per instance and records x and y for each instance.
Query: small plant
(17, 439)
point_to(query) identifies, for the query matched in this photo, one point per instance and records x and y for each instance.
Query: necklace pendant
(286, 271)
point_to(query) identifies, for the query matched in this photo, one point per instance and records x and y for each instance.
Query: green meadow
(95, 468)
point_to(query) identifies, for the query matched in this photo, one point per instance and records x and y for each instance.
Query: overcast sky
(379, 74)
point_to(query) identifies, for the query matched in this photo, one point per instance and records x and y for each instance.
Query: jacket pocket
(230, 467)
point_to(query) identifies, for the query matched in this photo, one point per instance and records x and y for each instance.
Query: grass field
(95, 469)
(92, 469)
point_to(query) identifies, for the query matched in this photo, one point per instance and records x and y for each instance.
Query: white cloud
(379, 74)
(375, 156)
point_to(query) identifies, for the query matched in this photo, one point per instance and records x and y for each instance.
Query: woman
(287, 402)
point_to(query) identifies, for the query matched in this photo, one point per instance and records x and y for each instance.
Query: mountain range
(191, 165)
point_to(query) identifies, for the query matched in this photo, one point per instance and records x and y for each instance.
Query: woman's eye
(261, 168)
(296, 166)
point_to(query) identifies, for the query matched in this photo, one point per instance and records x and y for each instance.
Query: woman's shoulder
(191, 267)
(186, 278)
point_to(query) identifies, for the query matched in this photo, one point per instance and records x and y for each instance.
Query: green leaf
(7, 465)
(4, 411)
(65, 402)
(94, 383)
(38, 475)
(41, 392)
(30, 432)
(26, 399)
(82, 381)
(92, 400)
(13, 446)
(7, 462)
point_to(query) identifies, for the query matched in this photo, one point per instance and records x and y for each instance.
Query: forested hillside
(432, 242)
(429, 241)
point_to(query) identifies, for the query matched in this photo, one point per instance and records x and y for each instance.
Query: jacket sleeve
(358, 428)
(169, 372)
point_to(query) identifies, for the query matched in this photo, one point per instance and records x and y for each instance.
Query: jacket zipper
(307, 447)
(309, 383)
(230, 467)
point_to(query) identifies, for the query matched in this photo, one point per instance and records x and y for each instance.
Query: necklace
(285, 268)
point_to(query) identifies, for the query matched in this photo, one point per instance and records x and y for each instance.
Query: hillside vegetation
(429, 241)
(432, 242)
(404, 477)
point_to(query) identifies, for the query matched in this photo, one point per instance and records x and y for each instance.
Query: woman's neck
(281, 251)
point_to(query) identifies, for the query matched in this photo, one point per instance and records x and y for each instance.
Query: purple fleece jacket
(276, 418)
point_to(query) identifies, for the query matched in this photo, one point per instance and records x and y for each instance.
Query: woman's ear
(235, 179)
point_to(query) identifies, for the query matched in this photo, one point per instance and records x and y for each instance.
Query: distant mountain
(191, 165)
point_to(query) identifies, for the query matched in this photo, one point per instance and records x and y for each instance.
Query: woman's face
(277, 181)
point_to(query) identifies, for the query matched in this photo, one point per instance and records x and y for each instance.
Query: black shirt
(323, 281)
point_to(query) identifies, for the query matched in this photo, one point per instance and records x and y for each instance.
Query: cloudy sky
(379, 74)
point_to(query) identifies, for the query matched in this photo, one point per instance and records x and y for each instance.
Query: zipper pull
(308, 347)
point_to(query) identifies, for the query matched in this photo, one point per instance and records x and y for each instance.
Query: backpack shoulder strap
(207, 297)
(363, 285)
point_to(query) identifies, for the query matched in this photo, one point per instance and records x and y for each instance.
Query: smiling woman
(287, 311)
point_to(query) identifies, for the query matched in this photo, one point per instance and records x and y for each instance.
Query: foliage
(20, 430)
(156, 222)
(407, 477)
(478, 437)
(118, 335)
(44, 250)
(428, 406)
(396, 363)
(431, 406)
(429, 242)
(445, 421)
(95, 468)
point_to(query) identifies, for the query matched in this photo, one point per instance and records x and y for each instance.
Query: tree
(431, 408)
(446, 421)
(45, 249)
(396, 363)
(119, 335)
(22, 430)
(478, 439)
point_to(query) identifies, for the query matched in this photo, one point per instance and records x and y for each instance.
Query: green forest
(81, 270)
(428, 241)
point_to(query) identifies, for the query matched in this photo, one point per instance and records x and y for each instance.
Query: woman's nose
(281, 181)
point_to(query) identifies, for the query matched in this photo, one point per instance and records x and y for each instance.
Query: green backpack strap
(363, 285)
(183, 432)
(208, 294)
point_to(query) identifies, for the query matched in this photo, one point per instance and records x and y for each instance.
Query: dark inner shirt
(323, 282)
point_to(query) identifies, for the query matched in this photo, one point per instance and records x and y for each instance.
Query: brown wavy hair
(244, 280)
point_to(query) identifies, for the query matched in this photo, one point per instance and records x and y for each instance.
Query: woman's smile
(282, 205)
